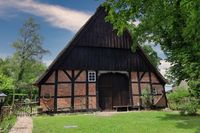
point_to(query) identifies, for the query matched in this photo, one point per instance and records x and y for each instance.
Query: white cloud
(47, 62)
(58, 16)
(164, 66)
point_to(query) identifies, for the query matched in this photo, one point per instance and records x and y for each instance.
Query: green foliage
(153, 56)
(28, 47)
(147, 98)
(175, 98)
(29, 44)
(181, 100)
(28, 53)
(8, 67)
(178, 94)
(6, 83)
(8, 123)
(19, 72)
(174, 25)
(188, 106)
(195, 89)
(8, 74)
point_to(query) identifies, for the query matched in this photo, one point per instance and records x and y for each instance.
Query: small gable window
(92, 76)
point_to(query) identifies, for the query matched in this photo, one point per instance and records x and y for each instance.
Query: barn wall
(70, 91)
(97, 47)
(142, 80)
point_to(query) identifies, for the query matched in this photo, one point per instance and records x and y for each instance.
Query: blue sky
(54, 24)
(59, 20)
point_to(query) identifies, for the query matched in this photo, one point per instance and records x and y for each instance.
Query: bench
(122, 106)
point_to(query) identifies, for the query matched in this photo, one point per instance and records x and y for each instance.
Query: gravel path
(23, 125)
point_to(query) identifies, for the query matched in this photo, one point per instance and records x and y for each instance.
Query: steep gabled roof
(95, 34)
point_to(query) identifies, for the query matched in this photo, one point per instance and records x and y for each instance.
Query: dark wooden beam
(71, 78)
(156, 84)
(150, 94)
(142, 75)
(48, 84)
(78, 74)
(39, 95)
(69, 82)
(151, 87)
(166, 103)
(130, 88)
(87, 91)
(56, 91)
(138, 77)
(71, 96)
(72, 92)
(97, 91)
(141, 82)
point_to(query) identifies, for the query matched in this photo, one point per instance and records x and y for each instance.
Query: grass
(132, 122)
(7, 123)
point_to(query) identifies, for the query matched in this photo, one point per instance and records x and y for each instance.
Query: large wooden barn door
(113, 90)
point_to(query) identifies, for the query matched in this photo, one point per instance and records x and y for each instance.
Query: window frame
(92, 74)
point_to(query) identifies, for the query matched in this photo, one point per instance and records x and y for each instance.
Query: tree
(153, 56)
(28, 48)
(173, 24)
(9, 71)
(6, 84)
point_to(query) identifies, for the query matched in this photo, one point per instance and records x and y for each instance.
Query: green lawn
(7, 123)
(132, 122)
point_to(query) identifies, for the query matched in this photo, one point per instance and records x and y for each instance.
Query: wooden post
(151, 87)
(139, 85)
(87, 91)
(130, 88)
(72, 92)
(166, 104)
(39, 95)
(55, 91)
(97, 92)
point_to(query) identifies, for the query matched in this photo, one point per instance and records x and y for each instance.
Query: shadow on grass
(184, 122)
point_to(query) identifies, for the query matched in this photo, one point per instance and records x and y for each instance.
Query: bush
(188, 106)
(181, 100)
(194, 88)
(147, 98)
(175, 98)
(7, 123)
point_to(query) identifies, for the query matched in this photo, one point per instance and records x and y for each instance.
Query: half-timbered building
(97, 70)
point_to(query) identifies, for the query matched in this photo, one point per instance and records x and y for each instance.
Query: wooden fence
(19, 109)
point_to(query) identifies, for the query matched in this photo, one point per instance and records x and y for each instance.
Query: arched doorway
(113, 90)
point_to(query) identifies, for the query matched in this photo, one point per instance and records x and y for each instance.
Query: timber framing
(56, 91)
(96, 47)
(139, 85)
(87, 90)
(72, 92)
(130, 89)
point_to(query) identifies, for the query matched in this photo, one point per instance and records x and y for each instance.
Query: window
(91, 76)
